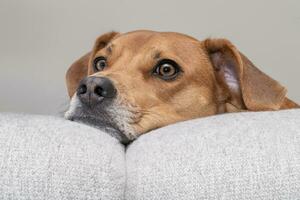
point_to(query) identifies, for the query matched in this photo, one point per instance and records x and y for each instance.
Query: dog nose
(93, 90)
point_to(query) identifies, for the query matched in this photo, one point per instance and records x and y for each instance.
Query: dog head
(142, 80)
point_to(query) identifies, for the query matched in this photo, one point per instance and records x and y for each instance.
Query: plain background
(40, 39)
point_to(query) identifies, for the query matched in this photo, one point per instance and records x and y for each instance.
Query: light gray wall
(39, 39)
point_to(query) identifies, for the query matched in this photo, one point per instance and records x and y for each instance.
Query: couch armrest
(44, 157)
(230, 156)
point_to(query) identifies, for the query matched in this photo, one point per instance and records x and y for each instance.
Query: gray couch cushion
(231, 156)
(44, 157)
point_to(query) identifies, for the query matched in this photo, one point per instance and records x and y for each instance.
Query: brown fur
(201, 90)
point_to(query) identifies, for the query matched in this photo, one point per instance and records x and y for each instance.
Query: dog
(135, 82)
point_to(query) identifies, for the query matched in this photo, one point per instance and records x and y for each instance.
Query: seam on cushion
(110, 164)
(126, 173)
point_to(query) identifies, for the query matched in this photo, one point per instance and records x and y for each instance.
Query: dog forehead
(161, 40)
(135, 37)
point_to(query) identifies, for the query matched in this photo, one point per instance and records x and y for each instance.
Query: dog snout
(93, 90)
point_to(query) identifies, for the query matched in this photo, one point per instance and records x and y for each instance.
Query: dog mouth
(112, 118)
(107, 126)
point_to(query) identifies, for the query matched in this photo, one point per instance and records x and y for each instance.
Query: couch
(251, 155)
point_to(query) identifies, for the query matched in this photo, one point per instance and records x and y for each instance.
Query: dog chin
(107, 118)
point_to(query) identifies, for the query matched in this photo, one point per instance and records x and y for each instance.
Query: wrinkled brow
(109, 48)
(156, 54)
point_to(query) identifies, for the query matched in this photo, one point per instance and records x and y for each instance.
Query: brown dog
(142, 80)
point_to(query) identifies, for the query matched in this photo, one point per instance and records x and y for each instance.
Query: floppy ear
(246, 86)
(80, 68)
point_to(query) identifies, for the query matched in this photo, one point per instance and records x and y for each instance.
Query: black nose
(94, 90)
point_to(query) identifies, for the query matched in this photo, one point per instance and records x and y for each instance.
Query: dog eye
(100, 63)
(166, 69)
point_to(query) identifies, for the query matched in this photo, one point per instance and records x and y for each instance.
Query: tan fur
(199, 91)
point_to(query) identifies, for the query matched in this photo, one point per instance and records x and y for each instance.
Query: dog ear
(80, 68)
(247, 87)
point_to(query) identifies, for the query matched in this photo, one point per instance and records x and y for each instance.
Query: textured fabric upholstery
(230, 156)
(44, 157)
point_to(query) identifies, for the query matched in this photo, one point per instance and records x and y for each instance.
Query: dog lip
(104, 125)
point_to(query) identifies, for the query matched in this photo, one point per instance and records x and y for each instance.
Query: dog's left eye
(100, 63)
(166, 69)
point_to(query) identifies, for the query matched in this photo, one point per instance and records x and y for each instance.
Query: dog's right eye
(167, 69)
(100, 63)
